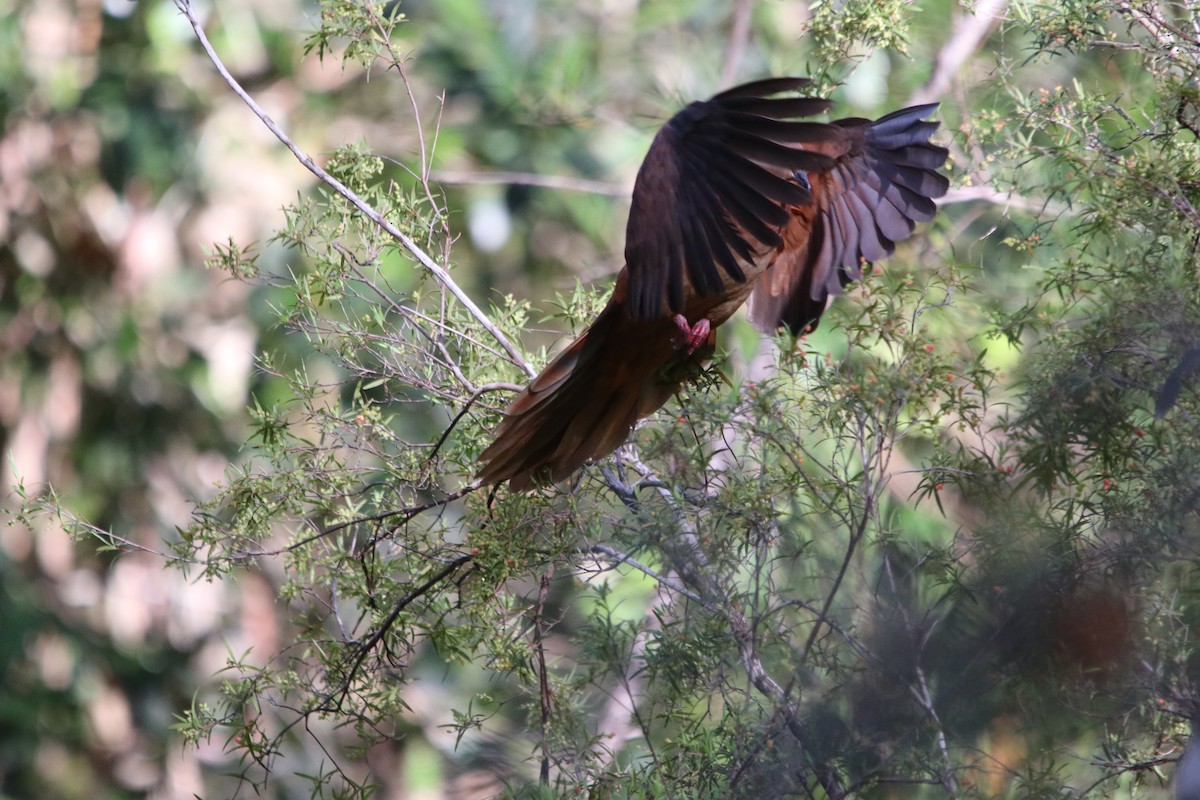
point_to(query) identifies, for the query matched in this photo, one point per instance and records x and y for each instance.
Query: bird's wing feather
(870, 199)
(713, 191)
(730, 187)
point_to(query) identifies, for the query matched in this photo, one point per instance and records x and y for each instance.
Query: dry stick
(617, 558)
(491, 387)
(544, 695)
(958, 194)
(686, 555)
(921, 693)
(423, 258)
(375, 638)
(620, 716)
(968, 35)
(1041, 207)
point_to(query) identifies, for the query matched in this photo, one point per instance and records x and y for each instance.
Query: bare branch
(364, 649)
(686, 554)
(618, 558)
(546, 698)
(1042, 207)
(562, 182)
(620, 712)
(423, 258)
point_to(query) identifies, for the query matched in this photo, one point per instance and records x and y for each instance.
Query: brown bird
(736, 200)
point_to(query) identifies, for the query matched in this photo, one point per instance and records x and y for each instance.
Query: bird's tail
(584, 403)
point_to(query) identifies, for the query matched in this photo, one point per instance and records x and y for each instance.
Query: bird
(741, 198)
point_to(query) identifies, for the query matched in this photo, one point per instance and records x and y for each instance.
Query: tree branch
(618, 557)
(546, 698)
(739, 35)
(687, 556)
(364, 649)
(423, 258)
(563, 182)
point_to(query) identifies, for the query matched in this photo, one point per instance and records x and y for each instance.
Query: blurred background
(127, 366)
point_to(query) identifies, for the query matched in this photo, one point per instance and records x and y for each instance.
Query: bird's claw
(693, 335)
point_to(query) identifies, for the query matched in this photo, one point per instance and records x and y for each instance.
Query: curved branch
(423, 258)
(562, 182)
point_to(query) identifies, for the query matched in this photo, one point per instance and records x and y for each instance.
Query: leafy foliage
(943, 546)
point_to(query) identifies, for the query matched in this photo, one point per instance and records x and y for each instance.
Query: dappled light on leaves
(943, 545)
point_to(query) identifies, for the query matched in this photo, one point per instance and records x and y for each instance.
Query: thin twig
(1042, 207)
(480, 392)
(563, 182)
(685, 553)
(119, 543)
(426, 150)
(856, 536)
(364, 649)
(405, 514)
(539, 648)
(618, 558)
(439, 272)
(921, 693)
(621, 717)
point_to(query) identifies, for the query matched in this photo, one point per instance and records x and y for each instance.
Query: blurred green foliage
(961, 542)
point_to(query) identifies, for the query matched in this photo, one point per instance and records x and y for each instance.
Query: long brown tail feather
(584, 403)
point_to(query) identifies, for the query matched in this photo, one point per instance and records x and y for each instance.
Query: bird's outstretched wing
(736, 195)
(872, 197)
(714, 190)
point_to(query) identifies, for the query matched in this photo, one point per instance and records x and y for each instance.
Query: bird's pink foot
(693, 335)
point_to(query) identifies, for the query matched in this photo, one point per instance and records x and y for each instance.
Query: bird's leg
(693, 335)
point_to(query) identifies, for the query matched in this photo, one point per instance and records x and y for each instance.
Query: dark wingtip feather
(764, 87)
(778, 107)
(906, 116)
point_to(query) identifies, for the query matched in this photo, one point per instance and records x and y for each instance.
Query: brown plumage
(736, 200)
